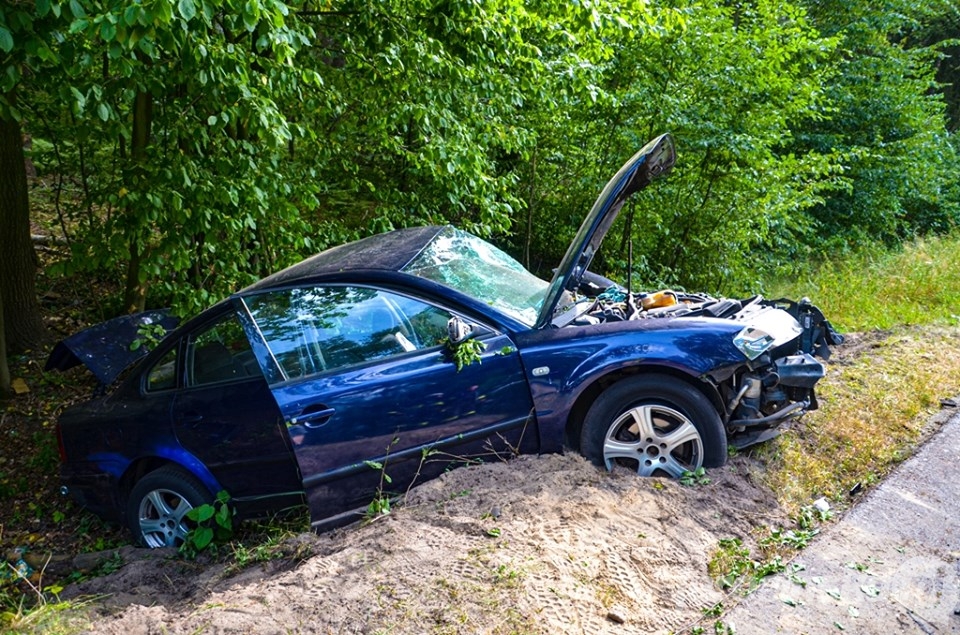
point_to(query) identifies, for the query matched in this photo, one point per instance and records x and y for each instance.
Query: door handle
(313, 416)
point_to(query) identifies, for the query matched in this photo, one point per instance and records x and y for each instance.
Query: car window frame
(188, 351)
(277, 376)
(145, 390)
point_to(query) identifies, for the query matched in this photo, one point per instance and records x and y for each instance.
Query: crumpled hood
(105, 348)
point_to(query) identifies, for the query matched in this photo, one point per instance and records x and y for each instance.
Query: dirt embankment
(540, 545)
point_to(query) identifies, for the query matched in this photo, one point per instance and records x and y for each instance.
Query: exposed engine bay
(780, 340)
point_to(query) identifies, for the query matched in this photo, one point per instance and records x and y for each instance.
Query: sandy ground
(553, 545)
(537, 545)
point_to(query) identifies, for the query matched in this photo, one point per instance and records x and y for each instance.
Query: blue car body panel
(391, 416)
(570, 361)
(652, 160)
(105, 348)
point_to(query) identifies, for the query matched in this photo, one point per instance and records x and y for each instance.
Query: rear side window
(163, 375)
(219, 353)
(316, 329)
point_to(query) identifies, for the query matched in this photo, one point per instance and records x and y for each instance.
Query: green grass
(876, 403)
(39, 612)
(900, 311)
(917, 285)
(874, 409)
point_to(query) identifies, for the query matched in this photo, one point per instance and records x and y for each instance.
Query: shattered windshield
(478, 269)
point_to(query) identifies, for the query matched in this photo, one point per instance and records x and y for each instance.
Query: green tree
(215, 142)
(420, 107)
(887, 120)
(206, 194)
(731, 84)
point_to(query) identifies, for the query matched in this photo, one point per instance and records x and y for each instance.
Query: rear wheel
(654, 425)
(158, 506)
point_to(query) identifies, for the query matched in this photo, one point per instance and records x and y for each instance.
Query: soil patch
(538, 544)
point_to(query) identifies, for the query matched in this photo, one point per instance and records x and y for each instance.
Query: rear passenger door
(226, 416)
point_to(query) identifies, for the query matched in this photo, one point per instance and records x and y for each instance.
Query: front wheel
(654, 425)
(158, 505)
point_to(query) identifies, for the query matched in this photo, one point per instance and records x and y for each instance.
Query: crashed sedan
(403, 353)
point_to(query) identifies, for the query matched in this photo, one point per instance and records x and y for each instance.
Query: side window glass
(317, 329)
(220, 353)
(427, 323)
(163, 375)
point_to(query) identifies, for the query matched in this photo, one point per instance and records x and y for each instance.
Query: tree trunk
(531, 203)
(5, 389)
(135, 293)
(135, 296)
(18, 262)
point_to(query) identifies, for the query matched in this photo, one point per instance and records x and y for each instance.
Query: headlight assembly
(753, 342)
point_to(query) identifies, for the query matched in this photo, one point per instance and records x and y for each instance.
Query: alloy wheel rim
(163, 519)
(653, 439)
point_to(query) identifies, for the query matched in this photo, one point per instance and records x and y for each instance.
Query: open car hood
(653, 160)
(106, 348)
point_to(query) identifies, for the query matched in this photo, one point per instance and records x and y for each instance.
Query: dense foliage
(194, 146)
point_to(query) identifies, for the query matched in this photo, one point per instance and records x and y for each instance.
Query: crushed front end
(781, 341)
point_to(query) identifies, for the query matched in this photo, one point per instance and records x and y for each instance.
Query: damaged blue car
(416, 349)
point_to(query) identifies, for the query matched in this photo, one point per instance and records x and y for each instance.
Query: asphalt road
(890, 565)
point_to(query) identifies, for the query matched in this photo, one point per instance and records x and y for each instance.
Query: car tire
(158, 504)
(655, 425)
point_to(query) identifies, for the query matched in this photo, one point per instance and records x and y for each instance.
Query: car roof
(390, 251)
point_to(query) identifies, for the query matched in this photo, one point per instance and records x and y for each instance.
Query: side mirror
(459, 330)
(461, 348)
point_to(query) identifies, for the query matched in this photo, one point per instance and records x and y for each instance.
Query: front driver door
(371, 398)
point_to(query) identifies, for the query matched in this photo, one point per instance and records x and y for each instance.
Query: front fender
(563, 364)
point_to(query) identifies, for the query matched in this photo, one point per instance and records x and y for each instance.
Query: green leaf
(251, 14)
(103, 112)
(202, 536)
(77, 9)
(78, 96)
(131, 14)
(164, 12)
(108, 31)
(6, 40)
(202, 513)
(79, 25)
(187, 9)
